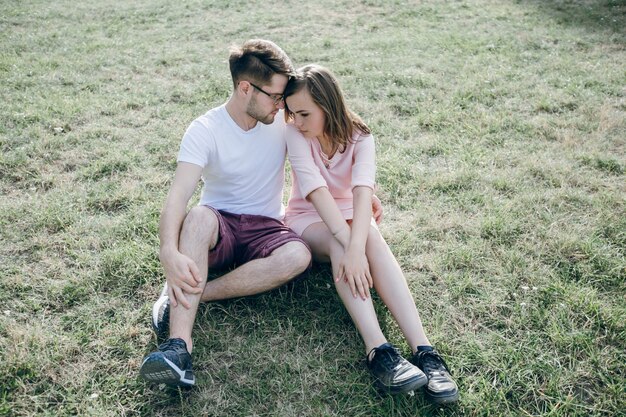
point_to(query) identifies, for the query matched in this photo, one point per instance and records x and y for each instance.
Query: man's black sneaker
(170, 365)
(161, 315)
(393, 373)
(441, 388)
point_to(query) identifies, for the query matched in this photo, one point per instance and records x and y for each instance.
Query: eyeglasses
(276, 97)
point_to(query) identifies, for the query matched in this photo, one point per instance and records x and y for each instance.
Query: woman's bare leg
(326, 248)
(391, 285)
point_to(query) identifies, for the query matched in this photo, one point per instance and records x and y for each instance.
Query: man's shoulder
(207, 123)
(214, 116)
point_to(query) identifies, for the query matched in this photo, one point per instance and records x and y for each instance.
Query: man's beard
(253, 111)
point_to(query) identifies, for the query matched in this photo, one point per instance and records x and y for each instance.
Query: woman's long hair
(339, 122)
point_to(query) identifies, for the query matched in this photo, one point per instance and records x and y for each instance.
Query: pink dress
(311, 169)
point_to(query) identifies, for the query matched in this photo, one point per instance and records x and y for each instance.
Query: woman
(332, 155)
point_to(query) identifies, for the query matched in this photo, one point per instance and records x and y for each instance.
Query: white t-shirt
(243, 171)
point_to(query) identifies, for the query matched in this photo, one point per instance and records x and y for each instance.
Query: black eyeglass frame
(276, 97)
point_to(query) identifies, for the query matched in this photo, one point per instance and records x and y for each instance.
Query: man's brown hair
(257, 60)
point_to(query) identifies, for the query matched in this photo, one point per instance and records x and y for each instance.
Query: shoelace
(432, 362)
(389, 356)
(172, 344)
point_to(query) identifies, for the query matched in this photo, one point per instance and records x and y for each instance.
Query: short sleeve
(197, 145)
(364, 165)
(307, 173)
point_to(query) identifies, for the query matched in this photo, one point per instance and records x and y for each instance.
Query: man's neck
(238, 114)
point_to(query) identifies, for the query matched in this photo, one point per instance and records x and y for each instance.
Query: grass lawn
(501, 133)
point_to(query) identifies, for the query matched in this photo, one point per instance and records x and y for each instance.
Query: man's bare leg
(198, 234)
(260, 275)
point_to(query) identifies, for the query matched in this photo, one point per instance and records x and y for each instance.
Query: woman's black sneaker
(441, 388)
(393, 373)
(170, 365)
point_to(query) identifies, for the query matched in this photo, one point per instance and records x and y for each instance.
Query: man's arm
(180, 271)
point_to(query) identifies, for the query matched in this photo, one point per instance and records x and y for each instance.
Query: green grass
(500, 127)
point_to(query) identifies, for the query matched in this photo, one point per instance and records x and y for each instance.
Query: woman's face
(308, 117)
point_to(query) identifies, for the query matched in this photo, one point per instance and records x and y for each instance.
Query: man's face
(263, 107)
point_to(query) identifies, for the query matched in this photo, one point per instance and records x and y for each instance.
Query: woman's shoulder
(360, 136)
(292, 132)
(296, 142)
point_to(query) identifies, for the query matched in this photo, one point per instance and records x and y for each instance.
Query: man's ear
(243, 87)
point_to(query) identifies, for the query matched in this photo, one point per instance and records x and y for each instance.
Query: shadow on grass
(297, 342)
(604, 15)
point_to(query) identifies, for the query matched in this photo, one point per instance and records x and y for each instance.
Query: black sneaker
(171, 365)
(441, 388)
(393, 373)
(161, 315)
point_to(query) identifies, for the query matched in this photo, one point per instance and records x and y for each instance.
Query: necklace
(325, 159)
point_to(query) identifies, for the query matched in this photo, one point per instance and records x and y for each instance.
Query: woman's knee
(374, 239)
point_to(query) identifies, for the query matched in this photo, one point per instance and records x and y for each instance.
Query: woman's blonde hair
(339, 122)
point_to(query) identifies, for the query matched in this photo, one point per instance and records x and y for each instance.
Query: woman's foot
(441, 388)
(393, 373)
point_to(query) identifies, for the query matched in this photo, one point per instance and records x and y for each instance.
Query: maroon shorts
(245, 237)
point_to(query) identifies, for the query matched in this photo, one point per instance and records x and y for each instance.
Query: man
(238, 221)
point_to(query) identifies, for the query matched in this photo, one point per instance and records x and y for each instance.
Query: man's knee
(296, 256)
(202, 225)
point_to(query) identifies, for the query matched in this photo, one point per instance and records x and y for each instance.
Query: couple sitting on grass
(239, 222)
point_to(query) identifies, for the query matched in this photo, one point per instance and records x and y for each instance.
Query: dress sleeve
(364, 164)
(307, 173)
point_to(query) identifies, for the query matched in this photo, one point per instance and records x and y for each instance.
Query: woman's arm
(313, 186)
(327, 208)
(362, 213)
(363, 181)
(353, 267)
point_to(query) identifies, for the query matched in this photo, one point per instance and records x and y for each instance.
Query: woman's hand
(355, 270)
(377, 209)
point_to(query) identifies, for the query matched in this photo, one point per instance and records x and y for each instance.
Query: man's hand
(377, 209)
(182, 276)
